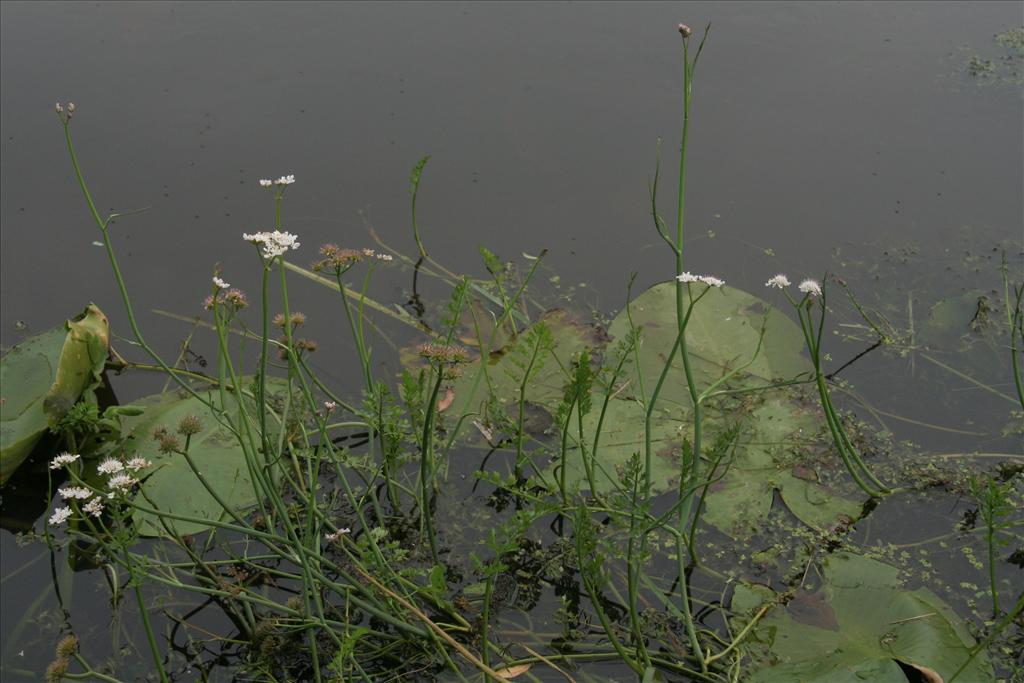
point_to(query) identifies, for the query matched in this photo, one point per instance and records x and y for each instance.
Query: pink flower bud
(685, 31)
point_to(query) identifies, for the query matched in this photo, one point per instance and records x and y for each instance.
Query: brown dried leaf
(513, 671)
(445, 401)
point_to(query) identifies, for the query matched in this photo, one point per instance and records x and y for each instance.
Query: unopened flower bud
(71, 107)
(59, 109)
(685, 31)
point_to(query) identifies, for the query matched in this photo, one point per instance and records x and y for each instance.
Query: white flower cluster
(120, 482)
(62, 514)
(331, 538)
(63, 460)
(273, 243)
(808, 286)
(370, 253)
(75, 493)
(708, 280)
(283, 180)
(220, 284)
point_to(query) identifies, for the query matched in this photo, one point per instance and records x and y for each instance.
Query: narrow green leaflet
(42, 377)
(858, 626)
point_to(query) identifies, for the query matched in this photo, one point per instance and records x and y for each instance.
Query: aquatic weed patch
(680, 494)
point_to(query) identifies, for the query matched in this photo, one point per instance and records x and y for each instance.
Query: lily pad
(860, 624)
(500, 375)
(172, 486)
(777, 428)
(42, 377)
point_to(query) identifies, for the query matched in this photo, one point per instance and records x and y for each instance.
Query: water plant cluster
(677, 488)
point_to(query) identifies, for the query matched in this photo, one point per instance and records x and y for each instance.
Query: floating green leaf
(858, 626)
(777, 448)
(777, 429)
(501, 376)
(42, 377)
(216, 451)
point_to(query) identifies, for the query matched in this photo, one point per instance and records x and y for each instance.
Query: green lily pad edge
(860, 624)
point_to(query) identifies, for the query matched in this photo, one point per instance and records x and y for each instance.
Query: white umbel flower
(810, 287)
(285, 180)
(274, 243)
(265, 182)
(110, 466)
(331, 538)
(94, 507)
(122, 483)
(74, 493)
(708, 280)
(62, 460)
(712, 281)
(60, 515)
(780, 281)
(138, 463)
(220, 284)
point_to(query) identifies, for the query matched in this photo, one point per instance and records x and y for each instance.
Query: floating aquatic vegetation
(43, 377)
(859, 623)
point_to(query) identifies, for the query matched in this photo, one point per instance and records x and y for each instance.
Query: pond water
(849, 137)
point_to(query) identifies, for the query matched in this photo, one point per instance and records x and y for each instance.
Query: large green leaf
(42, 377)
(172, 486)
(776, 444)
(855, 627)
(501, 375)
(777, 449)
(722, 334)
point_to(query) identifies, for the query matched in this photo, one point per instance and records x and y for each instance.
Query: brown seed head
(67, 646)
(190, 425)
(55, 672)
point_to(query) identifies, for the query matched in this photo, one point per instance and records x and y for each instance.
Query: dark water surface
(817, 127)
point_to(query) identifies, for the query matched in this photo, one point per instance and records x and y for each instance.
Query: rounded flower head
(443, 353)
(67, 646)
(685, 31)
(780, 281)
(110, 466)
(220, 284)
(810, 287)
(285, 180)
(266, 182)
